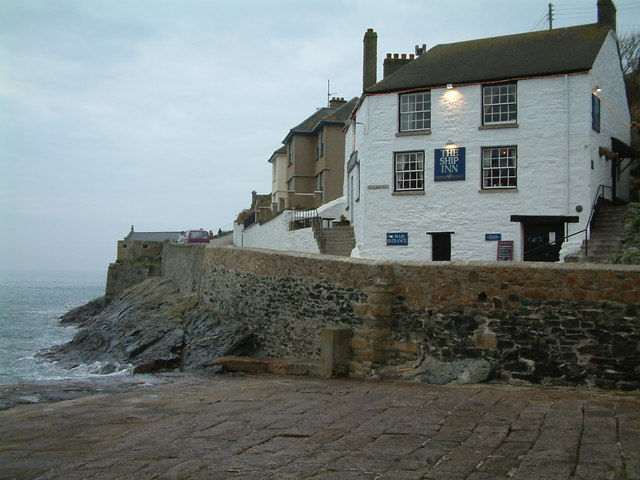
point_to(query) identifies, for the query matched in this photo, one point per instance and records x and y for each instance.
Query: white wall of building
(555, 148)
(275, 234)
(278, 177)
(615, 117)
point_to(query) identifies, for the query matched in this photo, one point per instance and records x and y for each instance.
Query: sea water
(31, 304)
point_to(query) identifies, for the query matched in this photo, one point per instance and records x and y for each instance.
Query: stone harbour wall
(571, 324)
(121, 276)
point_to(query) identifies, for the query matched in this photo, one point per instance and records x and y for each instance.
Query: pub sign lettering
(449, 164)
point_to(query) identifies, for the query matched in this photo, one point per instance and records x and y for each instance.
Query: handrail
(594, 208)
(318, 233)
(600, 193)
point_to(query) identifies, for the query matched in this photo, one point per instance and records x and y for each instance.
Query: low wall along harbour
(571, 324)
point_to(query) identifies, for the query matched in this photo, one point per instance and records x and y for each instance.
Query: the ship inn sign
(449, 164)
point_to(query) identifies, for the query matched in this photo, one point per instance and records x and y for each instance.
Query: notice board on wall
(505, 250)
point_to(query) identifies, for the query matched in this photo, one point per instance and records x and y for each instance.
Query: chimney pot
(392, 64)
(336, 102)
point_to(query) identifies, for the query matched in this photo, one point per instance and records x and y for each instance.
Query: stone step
(338, 240)
(604, 241)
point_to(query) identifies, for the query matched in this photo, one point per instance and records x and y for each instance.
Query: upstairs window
(499, 104)
(415, 111)
(320, 145)
(409, 171)
(320, 186)
(499, 167)
(595, 113)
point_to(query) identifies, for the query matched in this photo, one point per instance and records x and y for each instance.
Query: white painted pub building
(488, 149)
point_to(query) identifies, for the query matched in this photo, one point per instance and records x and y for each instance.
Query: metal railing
(309, 218)
(250, 220)
(594, 210)
(302, 218)
(600, 195)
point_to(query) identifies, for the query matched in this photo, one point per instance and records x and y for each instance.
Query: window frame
(396, 171)
(320, 144)
(402, 114)
(499, 105)
(291, 154)
(498, 181)
(319, 180)
(596, 113)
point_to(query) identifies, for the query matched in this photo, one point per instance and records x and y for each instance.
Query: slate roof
(281, 151)
(544, 53)
(323, 116)
(152, 236)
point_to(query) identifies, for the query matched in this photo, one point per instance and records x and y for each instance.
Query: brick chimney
(370, 54)
(607, 14)
(336, 103)
(395, 62)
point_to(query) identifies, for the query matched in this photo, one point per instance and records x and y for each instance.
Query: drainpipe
(568, 126)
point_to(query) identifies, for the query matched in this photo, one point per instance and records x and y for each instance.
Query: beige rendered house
(314, 153)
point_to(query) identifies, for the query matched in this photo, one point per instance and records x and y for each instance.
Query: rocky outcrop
(149, 327)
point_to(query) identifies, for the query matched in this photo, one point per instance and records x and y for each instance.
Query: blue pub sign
(398, 238)
(449, 164)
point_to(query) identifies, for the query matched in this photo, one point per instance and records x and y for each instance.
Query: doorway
(440, 246)
(542, 241)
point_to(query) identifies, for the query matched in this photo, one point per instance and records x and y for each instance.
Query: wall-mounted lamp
(450, 144)
(449, 86)
(597, 90)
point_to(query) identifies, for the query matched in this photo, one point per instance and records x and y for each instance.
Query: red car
(194, 236)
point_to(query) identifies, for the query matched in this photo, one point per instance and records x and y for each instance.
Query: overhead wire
(576, 12)
(539, 24)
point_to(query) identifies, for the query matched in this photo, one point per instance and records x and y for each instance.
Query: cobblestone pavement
(282, 428)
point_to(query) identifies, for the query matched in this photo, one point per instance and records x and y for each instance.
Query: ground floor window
(499, 167)
(409, 171)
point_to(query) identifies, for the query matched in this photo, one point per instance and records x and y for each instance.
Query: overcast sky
(163, 113)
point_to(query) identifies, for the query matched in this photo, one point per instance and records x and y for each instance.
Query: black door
(542, 241)
(441, 246)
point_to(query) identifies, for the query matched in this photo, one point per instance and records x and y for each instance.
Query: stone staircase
(338, 240)
(606, 229)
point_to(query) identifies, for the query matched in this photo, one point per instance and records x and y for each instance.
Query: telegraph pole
(550, 16)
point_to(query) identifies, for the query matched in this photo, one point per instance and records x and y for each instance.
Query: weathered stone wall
(121, 276)
(131, 251)
(546, 323)
(182, 263)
